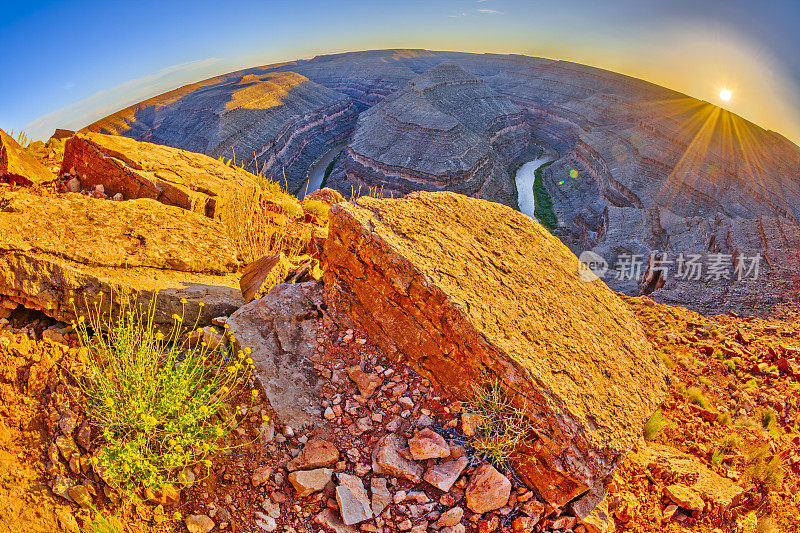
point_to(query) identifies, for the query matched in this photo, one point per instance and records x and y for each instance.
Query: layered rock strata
(469, 293)
(171, 176)
(98, 250)
(446, 131)
(276, 124)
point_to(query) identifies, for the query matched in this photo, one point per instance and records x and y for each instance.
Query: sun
(725, 95)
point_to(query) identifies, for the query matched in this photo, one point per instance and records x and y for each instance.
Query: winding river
(317, 171)
(524, 179)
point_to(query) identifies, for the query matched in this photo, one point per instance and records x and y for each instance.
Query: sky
(68, 63)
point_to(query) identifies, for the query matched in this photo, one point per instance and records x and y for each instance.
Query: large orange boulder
(470, 292)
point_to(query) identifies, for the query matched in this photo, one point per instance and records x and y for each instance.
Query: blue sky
(69, 63)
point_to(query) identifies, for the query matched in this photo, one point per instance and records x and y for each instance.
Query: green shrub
(653, 426)
(729, 364)
(503, 426)
(724, 418)
(762, 471)
(101, 524)
(317, 208)
(156, 400)
(751, 384)
(697, 397)
(290, 207)
(769, 418)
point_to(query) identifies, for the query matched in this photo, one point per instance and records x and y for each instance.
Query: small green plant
(101, 524)
(750, 522)
(729, 364)
(751, 384)
(653, 426)
(763, 468)
(697, 397)
(724, 418)
(317, 208)
(503, 426)
(729, 443)
(769, 418)
(158, 400)
(668, 362)
(705, 381)
(290, 207)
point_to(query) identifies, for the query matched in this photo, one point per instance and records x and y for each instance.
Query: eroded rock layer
(99, 248)
(641, 170)
(276, 124)
(446, 131)
(171, 176)
(468, 291)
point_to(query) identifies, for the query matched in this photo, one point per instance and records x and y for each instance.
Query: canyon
(642, 176)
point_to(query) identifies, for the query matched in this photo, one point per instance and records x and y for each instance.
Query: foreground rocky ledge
(56, 248)
(144, 170)
(467, 291)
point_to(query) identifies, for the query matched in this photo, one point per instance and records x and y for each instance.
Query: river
(525, 178)
(317, 171)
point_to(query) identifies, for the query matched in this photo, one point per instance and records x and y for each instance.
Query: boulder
(354, 504)
(171, 176)
(471, 292)
(444, 475)
(261, 275)
(387, 459)
(315, 454)
(327, 195)
(693, 481)
(17, 166)
(281, 330)
(307, 482)
(487, 490)
(78, 247)
(427, 444)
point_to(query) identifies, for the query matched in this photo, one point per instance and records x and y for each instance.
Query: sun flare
(725, 95)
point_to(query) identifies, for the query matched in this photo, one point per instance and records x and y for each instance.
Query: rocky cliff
(643, 174)
(274, 123)
(447, 130)
(426, 278)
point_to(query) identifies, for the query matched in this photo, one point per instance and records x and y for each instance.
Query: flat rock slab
(144, 170)
(693, 479)
(281, 330)
(468, 291)
(17, 166)
(57, 248)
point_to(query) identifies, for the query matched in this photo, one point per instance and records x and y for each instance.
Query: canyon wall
(643, 173)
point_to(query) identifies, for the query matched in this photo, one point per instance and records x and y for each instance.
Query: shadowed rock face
(446, 130)
(466, 291)
(640, 169)
(270, 122)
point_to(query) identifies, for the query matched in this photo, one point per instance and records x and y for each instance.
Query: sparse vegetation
(101, 524)
(764, 468)
(653, 426)
(697, 397)
(769, 418)
(503, 426)
(724, 418)
(543, 208)
(317, 208)
(160, 403)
